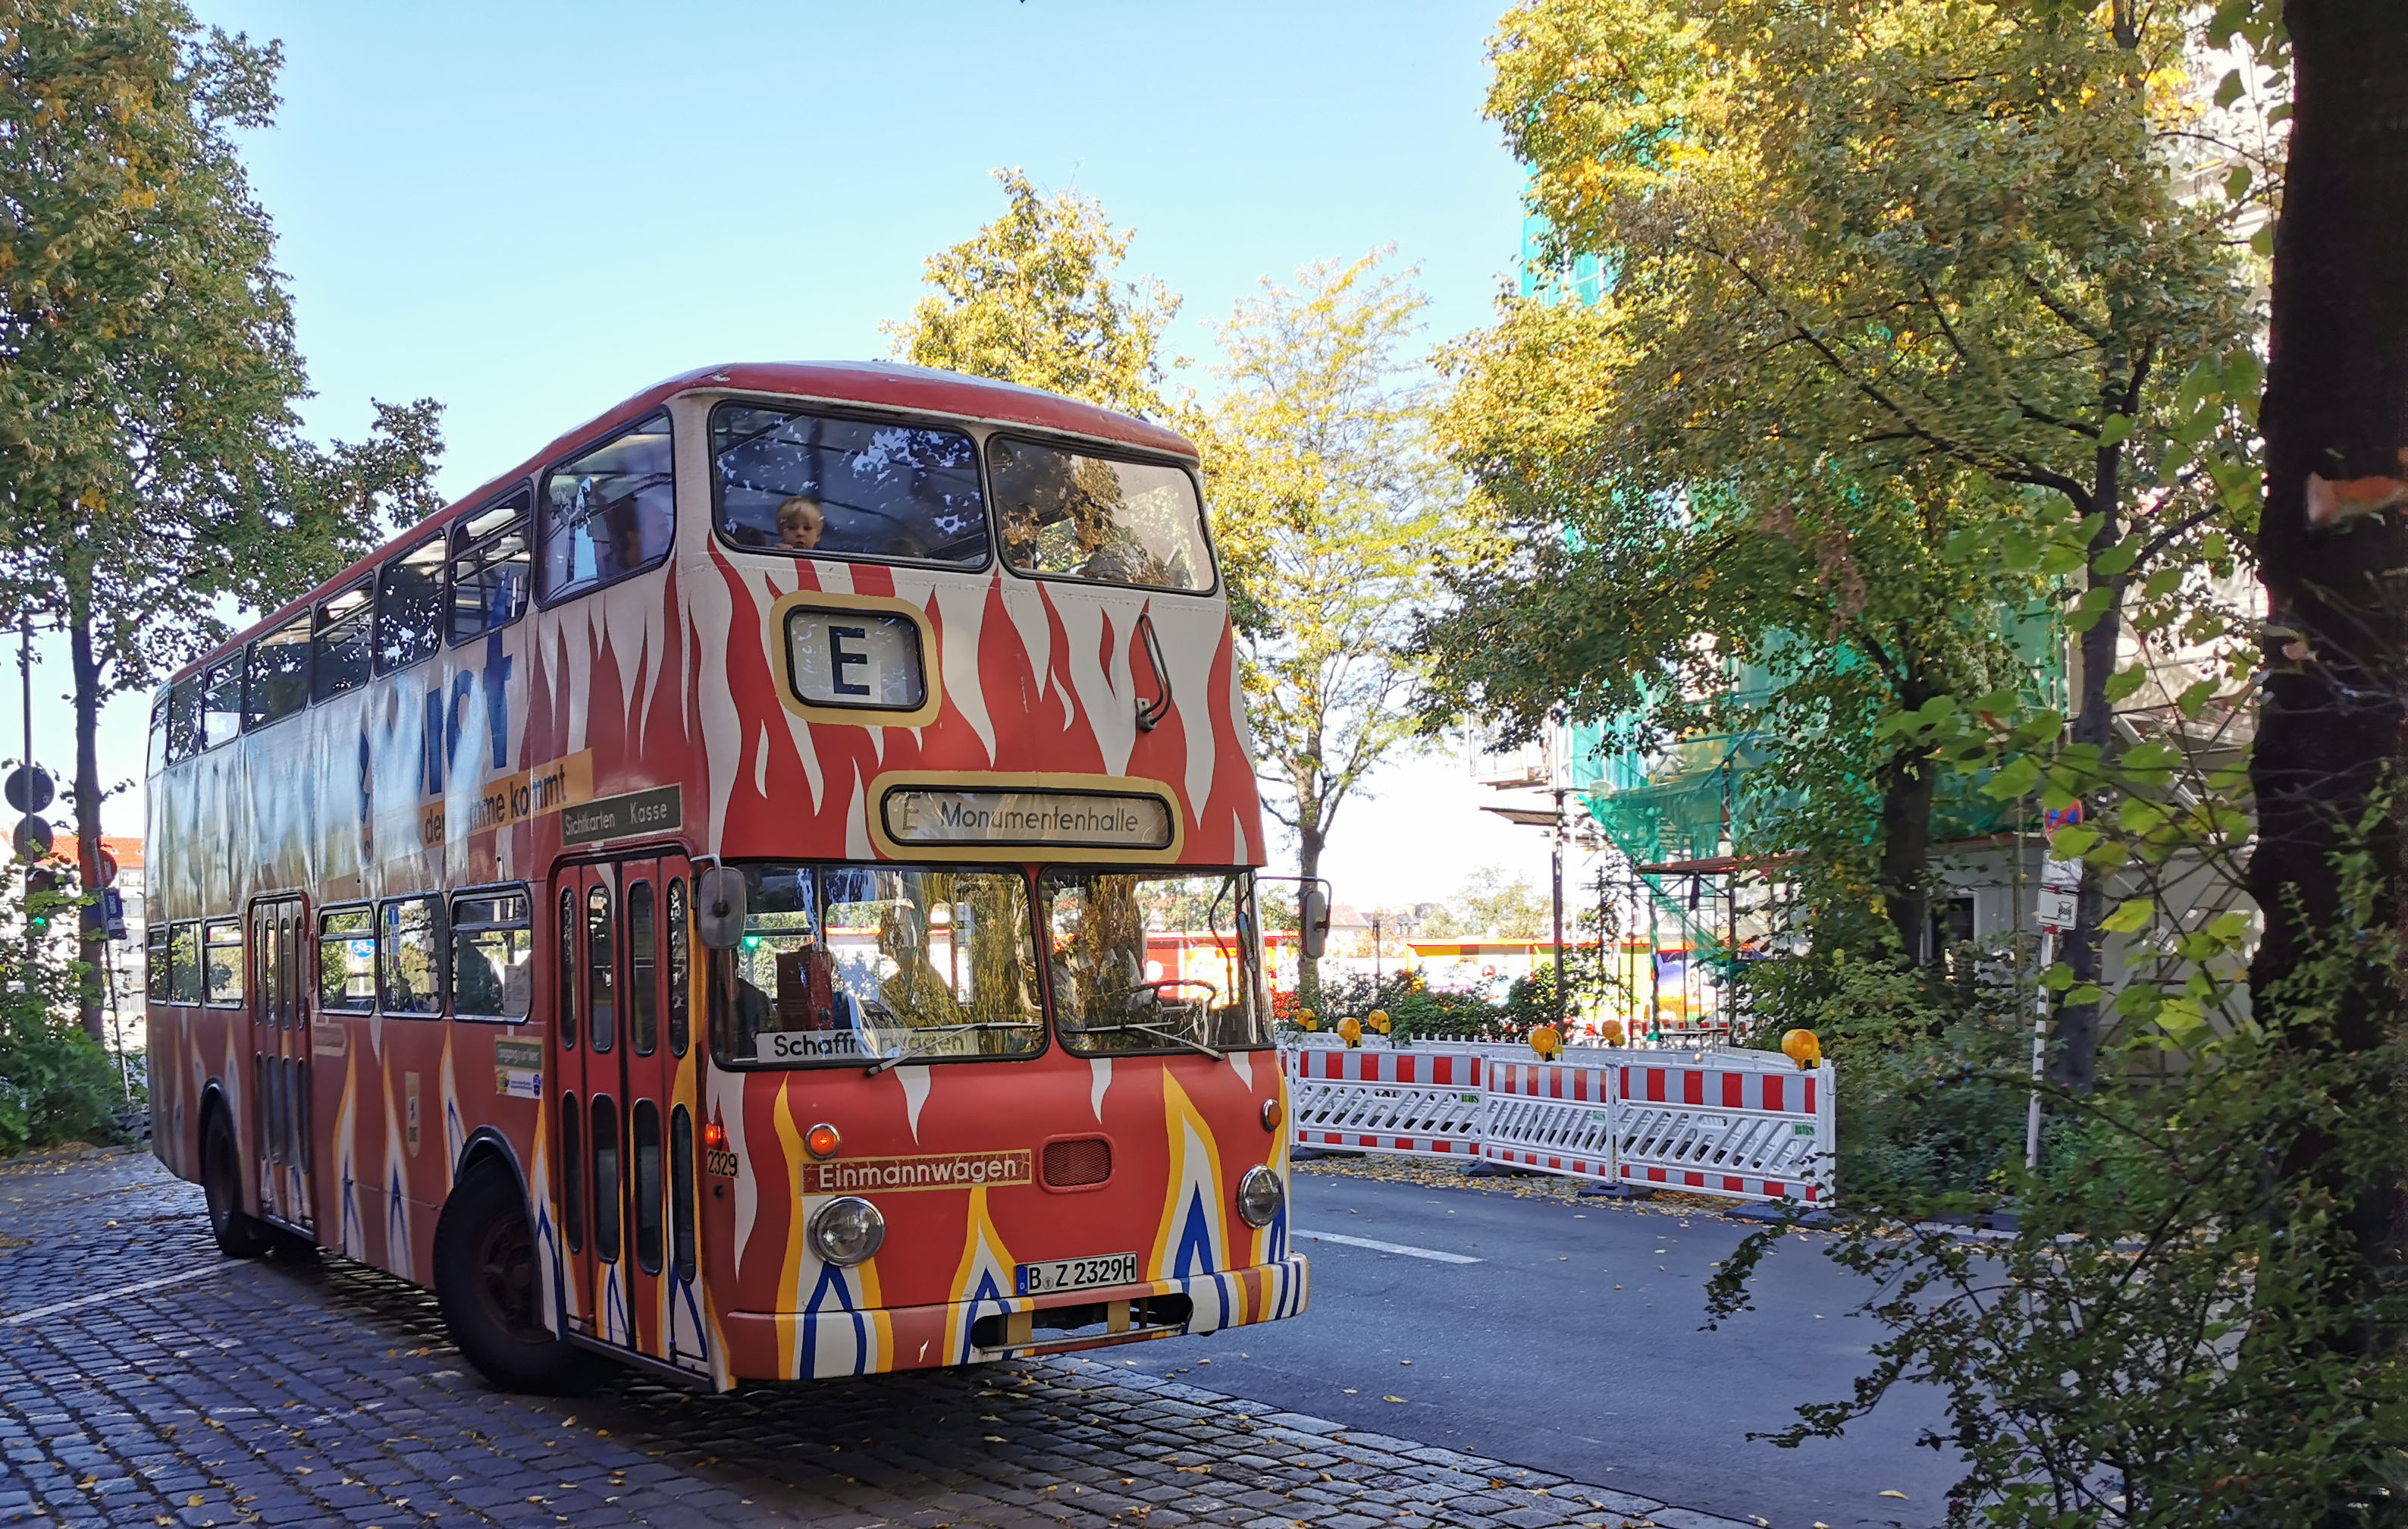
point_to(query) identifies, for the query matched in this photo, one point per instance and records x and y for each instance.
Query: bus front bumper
(836, 1338)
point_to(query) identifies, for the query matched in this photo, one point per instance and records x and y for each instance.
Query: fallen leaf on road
(1392, 1398)
(1900, 1495)
(192, 1501)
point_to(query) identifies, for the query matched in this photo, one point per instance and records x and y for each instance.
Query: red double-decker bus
(690, 900)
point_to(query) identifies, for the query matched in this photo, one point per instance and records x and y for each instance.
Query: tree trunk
(2073, 1063)
(2332, 549)
(1908, 784)
(91, 936)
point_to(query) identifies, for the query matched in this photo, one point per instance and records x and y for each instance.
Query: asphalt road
(1573, 1346)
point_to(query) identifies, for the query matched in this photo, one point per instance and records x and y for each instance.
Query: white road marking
(203, 1273)
(1377, 1247)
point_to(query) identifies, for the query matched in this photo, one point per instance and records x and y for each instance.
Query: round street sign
(107, 868)
(28, 791)
(33, 838)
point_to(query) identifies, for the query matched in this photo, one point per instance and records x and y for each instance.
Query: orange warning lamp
(1800, 1046)
(1350, 1029)
(1546, 1042)
(714, 1136)
(822, 1140)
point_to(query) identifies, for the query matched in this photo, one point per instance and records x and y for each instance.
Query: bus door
(279, 1038)
(626, 1144)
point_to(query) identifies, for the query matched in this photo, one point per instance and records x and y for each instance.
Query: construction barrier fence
(1745, 1124)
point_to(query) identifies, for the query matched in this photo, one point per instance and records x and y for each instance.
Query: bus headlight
(847, 1230)
(1260, 1195)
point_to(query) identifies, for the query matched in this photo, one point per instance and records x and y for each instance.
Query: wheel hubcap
(505, 1280)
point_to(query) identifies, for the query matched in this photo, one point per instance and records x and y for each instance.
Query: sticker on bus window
(518, 1068)
(792, 1045)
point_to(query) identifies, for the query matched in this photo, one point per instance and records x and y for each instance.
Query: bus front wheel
(238, 1233)
(485, 1280)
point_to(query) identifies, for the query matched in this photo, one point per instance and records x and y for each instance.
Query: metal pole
(1375, 956)
(2040, 1051)
(1559, 861)
(26, 673)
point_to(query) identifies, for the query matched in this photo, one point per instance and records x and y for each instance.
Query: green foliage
(56, 1083)
(1489, 905)
(1032, 298)
(1921, 1053)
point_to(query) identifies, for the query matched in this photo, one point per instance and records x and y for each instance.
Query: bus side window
(279, 682)
(643, 970)
(184, 962)
(410, 956)
(489, 567)
(601, 982)
(608, 512)
(338, 650)
(644, 1162)
(154, 962)
(681, 1193)
(346, 960)
(222, 702)
(572, 1173)
(221, 960)
(564, 996)
(607, 1184)
(184, 719)
(492, 955)
(680, 971)
(409, 606)
(158, 733)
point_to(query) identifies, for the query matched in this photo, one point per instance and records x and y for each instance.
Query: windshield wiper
(1172, 1036)
(902, 1054)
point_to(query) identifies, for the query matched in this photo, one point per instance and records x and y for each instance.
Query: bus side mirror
(719, 907)
(1312, 906)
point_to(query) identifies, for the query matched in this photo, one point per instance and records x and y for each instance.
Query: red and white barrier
(1744, 1124)
(1424, 1102)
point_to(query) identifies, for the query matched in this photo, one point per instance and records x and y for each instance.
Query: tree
(2327, 771)
(1032, 298)
(151, 469)
(1493, 907)
(1920, 245)
(1330, 511)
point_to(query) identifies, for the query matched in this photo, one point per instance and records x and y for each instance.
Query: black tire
(485, 1279)
(238, 1233)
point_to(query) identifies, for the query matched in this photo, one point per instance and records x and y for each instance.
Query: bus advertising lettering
(939, 1171)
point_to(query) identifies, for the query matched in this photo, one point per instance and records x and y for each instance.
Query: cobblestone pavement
(178, 1388)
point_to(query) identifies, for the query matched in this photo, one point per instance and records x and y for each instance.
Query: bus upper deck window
(824, 486)
(1081, 516)
(489, 567)
(609, 511)
(338, 660)
(279, 682)
(184, 719)
(222, 701)
(409, 606)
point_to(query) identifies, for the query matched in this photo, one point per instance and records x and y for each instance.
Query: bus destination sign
(933, 814)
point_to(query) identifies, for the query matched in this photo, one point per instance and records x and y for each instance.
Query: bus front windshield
(869, 964)
(1152, 960)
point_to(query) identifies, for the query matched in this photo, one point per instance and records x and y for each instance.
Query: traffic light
(41, 883)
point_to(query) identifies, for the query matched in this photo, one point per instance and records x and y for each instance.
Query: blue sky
(529, 211)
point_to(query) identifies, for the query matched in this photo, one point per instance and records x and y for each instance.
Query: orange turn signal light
(714, 1136)
(822, 1140)
(1273, 1113)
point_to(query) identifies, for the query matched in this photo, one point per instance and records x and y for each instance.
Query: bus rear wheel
(485, 1280)
(238, 1233)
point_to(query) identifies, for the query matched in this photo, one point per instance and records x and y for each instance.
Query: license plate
(1077, 1274)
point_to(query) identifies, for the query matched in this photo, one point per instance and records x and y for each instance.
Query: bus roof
(889, 384)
